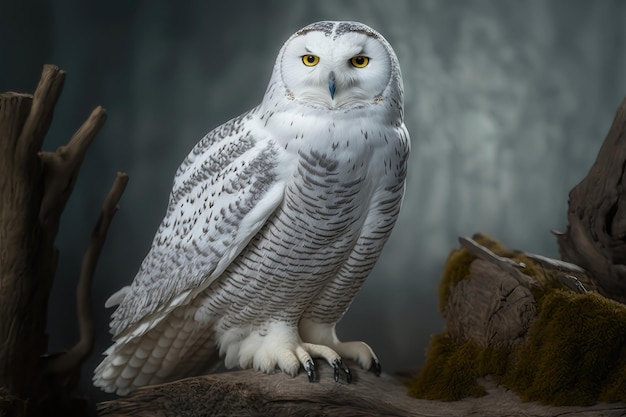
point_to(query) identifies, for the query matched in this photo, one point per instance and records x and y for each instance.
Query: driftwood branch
(251, 393)
(554, 263)
(506, 264)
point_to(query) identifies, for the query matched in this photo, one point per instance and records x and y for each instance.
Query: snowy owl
(274, 221)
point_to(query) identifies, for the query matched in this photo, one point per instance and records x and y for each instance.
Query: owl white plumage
(274, 221)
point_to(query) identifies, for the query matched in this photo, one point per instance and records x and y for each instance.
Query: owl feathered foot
(280, 346)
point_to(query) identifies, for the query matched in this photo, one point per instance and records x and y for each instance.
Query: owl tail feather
(176, 348)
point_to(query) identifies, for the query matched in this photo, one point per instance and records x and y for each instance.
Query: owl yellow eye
(359, 61)
(310, 60)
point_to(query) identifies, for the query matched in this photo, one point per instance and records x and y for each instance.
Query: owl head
(336, 66)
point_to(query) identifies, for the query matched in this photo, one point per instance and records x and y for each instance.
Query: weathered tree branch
(554, 263)
(39, 119)
(71, 360)
(61, 169)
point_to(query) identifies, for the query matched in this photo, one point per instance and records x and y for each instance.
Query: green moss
(452, 369)
(574, 353)
(614, 388)
(457, 268)
(450, 372)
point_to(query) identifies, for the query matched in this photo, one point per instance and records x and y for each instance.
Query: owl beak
(331, 84)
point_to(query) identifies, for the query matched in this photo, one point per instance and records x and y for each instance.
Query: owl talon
(376, 367)
(309, 368)
(337, 365)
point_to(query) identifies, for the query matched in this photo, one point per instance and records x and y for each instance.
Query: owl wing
(223, 193)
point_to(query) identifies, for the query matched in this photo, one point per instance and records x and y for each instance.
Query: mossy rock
(574, 352)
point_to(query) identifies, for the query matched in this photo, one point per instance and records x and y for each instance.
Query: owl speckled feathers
(274, 221)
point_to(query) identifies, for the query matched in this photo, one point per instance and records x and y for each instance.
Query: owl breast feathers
(274, 221)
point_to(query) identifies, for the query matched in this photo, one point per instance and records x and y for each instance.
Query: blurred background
(507, 103)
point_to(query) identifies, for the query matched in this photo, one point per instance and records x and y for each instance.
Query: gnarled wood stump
(34, 187)
(596, 235)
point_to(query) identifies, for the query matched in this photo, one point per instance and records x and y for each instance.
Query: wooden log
(252, 393)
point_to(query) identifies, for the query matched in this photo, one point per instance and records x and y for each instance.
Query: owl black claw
(376, 367)
(338, 365)
(309, 368)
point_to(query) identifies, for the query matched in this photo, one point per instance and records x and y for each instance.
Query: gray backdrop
(507, 104)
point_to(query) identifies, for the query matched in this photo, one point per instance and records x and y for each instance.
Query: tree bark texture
(492, 309)
(27, 260)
